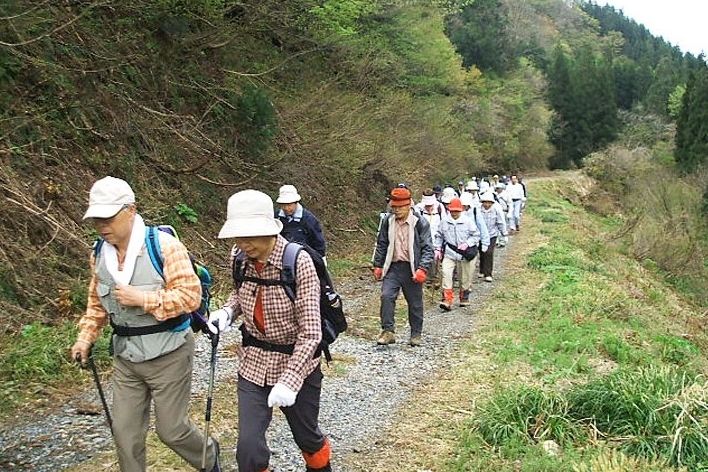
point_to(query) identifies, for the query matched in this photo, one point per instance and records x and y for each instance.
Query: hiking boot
(448, 295)
(488, 279)
(387, 337)
(465, 298)
(416, 340)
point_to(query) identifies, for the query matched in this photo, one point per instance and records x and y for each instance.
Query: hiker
(455, 241)
(432, 210)
(404, 256)
(460, 187)
(437, 190)
(500, 197)
(447, 195)
(299, 224)
(152, 343)
(279, 358)
(516, 193)
(472, 209)
(495, 220)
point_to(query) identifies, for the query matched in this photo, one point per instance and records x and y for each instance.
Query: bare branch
(57, 29)
(265, 72)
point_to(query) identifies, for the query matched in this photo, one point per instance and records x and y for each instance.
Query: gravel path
(355, 406)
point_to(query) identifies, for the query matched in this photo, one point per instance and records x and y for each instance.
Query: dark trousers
(399, 277)
(254, 416)
(486, 259)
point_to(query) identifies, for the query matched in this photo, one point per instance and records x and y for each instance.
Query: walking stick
(97, 381)
(207, 414)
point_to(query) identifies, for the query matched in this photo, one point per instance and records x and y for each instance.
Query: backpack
(198, 318)
(333, 320)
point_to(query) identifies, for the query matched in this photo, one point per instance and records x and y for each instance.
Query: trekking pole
(207, 414)
(97, 381)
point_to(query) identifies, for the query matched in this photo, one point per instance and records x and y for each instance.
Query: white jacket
(456, 232)
(515, 191)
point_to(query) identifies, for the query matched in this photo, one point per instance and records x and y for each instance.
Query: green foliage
(676, 101)
(187, 213)
(257, 121)
(691, 129)
(341, 17)
(211, 9)
(479, 34)
(525, 414)
(658, 413)
(677, 350)
(582, 94)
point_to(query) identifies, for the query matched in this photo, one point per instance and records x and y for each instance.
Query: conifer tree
(692, 123)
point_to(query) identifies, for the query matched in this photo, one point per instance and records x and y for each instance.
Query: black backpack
(332, 316)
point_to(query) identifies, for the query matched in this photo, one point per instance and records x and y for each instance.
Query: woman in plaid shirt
(280, 363)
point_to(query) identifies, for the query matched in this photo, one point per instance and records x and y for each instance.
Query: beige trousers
(166, 381)
(465, 273)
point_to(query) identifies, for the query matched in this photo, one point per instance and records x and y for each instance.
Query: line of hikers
(445, 231)
(145, 285)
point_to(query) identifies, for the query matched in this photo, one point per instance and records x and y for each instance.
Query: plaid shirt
(285, 322)
(181, 294)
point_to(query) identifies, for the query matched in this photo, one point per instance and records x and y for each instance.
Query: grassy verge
(35, 366)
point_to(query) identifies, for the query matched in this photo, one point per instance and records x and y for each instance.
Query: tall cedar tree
(582, 93)
(479, 35)
(692, 123)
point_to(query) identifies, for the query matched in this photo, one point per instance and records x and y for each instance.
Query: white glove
(506, 240)
(281, 395)
(484, 248)
(220, 320)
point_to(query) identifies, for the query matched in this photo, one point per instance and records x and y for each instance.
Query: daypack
(198, 318)
(333, 320)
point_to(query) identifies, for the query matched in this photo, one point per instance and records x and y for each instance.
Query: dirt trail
(356, 405)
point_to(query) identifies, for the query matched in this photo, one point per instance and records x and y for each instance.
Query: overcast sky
(683, 23)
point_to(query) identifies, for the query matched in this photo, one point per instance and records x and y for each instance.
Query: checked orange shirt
(182, 292)
(284, 322)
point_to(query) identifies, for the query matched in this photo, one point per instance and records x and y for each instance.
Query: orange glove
(378, 273)
(420, 276)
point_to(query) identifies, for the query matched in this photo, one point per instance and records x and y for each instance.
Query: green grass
(37, 359)
(646, 410)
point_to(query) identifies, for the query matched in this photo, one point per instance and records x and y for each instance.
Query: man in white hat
(153, 347)
(517, 194)
(299, 224)
(278, 362)
(501, 197)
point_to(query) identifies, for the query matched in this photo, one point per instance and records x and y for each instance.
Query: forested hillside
(192, 100)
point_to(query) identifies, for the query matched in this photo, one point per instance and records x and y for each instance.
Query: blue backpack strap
(288, 275)
(97, 246)
(152, 243)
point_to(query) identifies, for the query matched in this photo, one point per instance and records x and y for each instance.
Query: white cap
(107, 197)
(487, 197)
(500, 185)
(472, 185)
(249, 213)
(467, 199)
(288, 194)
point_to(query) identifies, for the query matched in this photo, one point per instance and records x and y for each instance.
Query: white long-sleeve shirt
(495, 219)
(515, 191)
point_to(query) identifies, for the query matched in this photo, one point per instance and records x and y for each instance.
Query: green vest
(136, 348)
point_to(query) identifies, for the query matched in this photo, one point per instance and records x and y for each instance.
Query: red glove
(420, 276)
(378, 273)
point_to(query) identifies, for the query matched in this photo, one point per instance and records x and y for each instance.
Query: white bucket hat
(428, 200)
(500, 185)
(472, 185)
(249, 213)
(107, 197)
(288, 194)
(487, 197)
